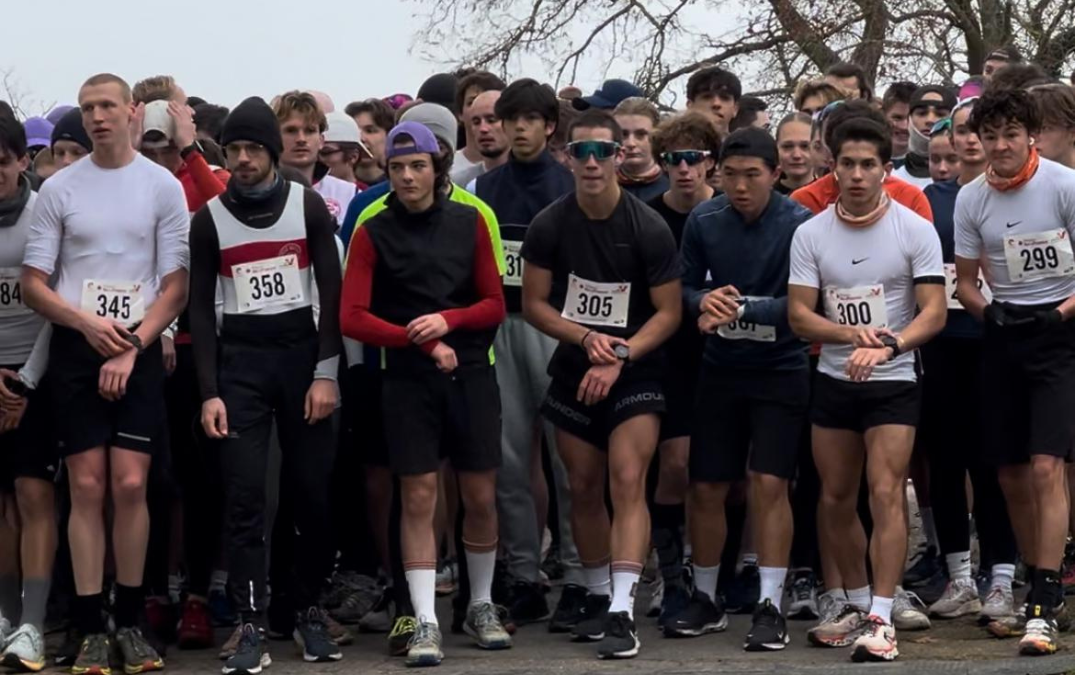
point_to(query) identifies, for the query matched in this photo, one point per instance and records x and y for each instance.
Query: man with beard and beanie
(929, 104)
(268, 245)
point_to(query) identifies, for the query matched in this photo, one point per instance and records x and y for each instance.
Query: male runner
(715, 92)
(870, 261)
(422, 282)
(266, 243)
(113, 229)
(640, 174)
(754, 387)
(1021, 213)
(602, 278)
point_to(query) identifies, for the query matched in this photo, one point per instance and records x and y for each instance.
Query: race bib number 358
(119, 301)
(1040, 255)
(861, 306)
(596, 304)
(267, 283)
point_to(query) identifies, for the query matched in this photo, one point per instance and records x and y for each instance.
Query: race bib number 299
(1040, 255)
(596, 304)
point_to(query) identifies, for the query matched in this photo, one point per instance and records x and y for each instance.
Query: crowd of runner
(300, 370)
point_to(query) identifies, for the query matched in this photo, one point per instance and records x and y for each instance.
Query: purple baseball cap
(58, 112)
(38, 132)
(424, 140)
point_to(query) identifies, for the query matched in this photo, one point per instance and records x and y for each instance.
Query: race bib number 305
(267, 283)
(950, 287)
(513, 263)
(11, 291)
(596, 304)
(1040, 255)
(119, 301)
(861, 306)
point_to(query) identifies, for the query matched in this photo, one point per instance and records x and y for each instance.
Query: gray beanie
(441, 121)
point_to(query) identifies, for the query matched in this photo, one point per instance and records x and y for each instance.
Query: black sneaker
(676, 598)
(592, 626)
(311, 634)
(68, 651)
(620, 641)
(138, 655)
(925, 570)
(93, 656)
(744, 591)
(400, 638)
(552, 566)
(251, 653)
(570, 610)
(527, 604)
(700, 617)
(769, 632)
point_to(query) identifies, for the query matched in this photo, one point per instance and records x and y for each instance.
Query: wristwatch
(892, 343)
(136, 341)
(623, 352)
(195, 146)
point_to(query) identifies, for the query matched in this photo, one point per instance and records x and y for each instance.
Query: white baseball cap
(158, 119)
(342, 128)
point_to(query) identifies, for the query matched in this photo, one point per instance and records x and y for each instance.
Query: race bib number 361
(596, 304)
(119, 301)
(267, 283)
(861, 306)
(1040, 255)
(513, 263)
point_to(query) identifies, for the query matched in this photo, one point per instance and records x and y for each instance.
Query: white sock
(423, 586)
(772, 584)
(1002, 576)
(623, 592)
(859, 597)
(929, 528)
(705, 580)
(480, 567)
(958, 565)
(174, 588)
(597, 580)
(882, 607)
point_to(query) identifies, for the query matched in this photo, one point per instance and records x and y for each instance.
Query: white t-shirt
(337, 194)
(463, 170)
(19, 325)
(1026, 234)
(127, 226)
(867, 276)
(905, 176)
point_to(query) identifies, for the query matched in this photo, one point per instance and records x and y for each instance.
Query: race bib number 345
(267, 283)
(119, 301)
(1040, 255)
(596, 304)
(861, 306)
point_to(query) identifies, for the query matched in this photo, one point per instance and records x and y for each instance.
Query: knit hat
(69, 128)
(948, 97)
(437, 118)
(750, 142)
(439, 88)
(253, 120)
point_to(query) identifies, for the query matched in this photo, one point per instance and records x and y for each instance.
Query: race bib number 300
(861, 306)
(513, 263)
(1040, 255)
(11, 291)
(596, 304)
(119, 301)
(267, 283)
(950, 287)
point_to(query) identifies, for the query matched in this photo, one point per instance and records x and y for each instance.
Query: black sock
(129, 602)
(1047, 590)
(88, 616)
(667, 539)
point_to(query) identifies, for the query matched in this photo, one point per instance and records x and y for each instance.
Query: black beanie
(439, 88)
(948, 97)
(69, 128)
(253, 120)
(750, 142)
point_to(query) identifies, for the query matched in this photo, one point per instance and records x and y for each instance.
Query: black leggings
(950, 435)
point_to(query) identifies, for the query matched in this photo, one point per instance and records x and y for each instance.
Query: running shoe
(553, 566)
(161, 619)
(25, 649)
(92, 656)
(804, 597)
(840, 631)
(656, 597)
(358, 602)
(399, 638)
(312, 636)
(768, 631)
(527, 603)
(676, 598)
(448, 577)
(829, 607)
(343, 585)
(999, 604)
(1042, 635)
(621, 640)
(484, 626)
(337, 632)
(69, 649)
(5, 631)
(424, 647)
(744, 591)
(195, 626)
(876, 643)
(908, 611)
(700, 617)
(592, 626)
(379, 618)
(960, 598)
(925, 569)
(250, 654)
(570, 610)
(138, 655)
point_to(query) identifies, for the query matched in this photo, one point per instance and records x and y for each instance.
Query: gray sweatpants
(522, 356)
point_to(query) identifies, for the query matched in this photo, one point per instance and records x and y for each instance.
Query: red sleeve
(806, 197)
(207, 182)
(489, 311)
(920, 205)
(356, 319)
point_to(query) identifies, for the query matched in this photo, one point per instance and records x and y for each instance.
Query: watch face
(622, 351)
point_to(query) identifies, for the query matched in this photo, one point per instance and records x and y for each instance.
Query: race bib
(267, 283)
(743, 330)
(119, 301)
(861, 306)
(513, 263)
(950, 287)
(11, 291)
(1040, 255)
(596, 304)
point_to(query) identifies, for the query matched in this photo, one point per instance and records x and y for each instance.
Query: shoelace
(909, 600)
(138, 644)
(403, 625)
(422, 633)
(486, 616)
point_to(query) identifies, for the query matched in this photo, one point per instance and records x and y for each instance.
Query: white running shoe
(877, 642)
(908, 611)
(960, 598)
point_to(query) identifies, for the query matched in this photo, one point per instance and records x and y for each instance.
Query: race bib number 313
(513, 263)
(596, 304)
(267, 283)
(861, 306)
(119, 301)
(1040, 255)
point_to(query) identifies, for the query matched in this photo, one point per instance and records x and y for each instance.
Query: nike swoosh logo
(1010, 225)
(855, 262)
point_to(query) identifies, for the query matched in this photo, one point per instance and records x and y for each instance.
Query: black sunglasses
(599, 150)
(691, 157)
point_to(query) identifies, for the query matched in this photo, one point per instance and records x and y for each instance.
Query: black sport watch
(892, 343)
(136, 341)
